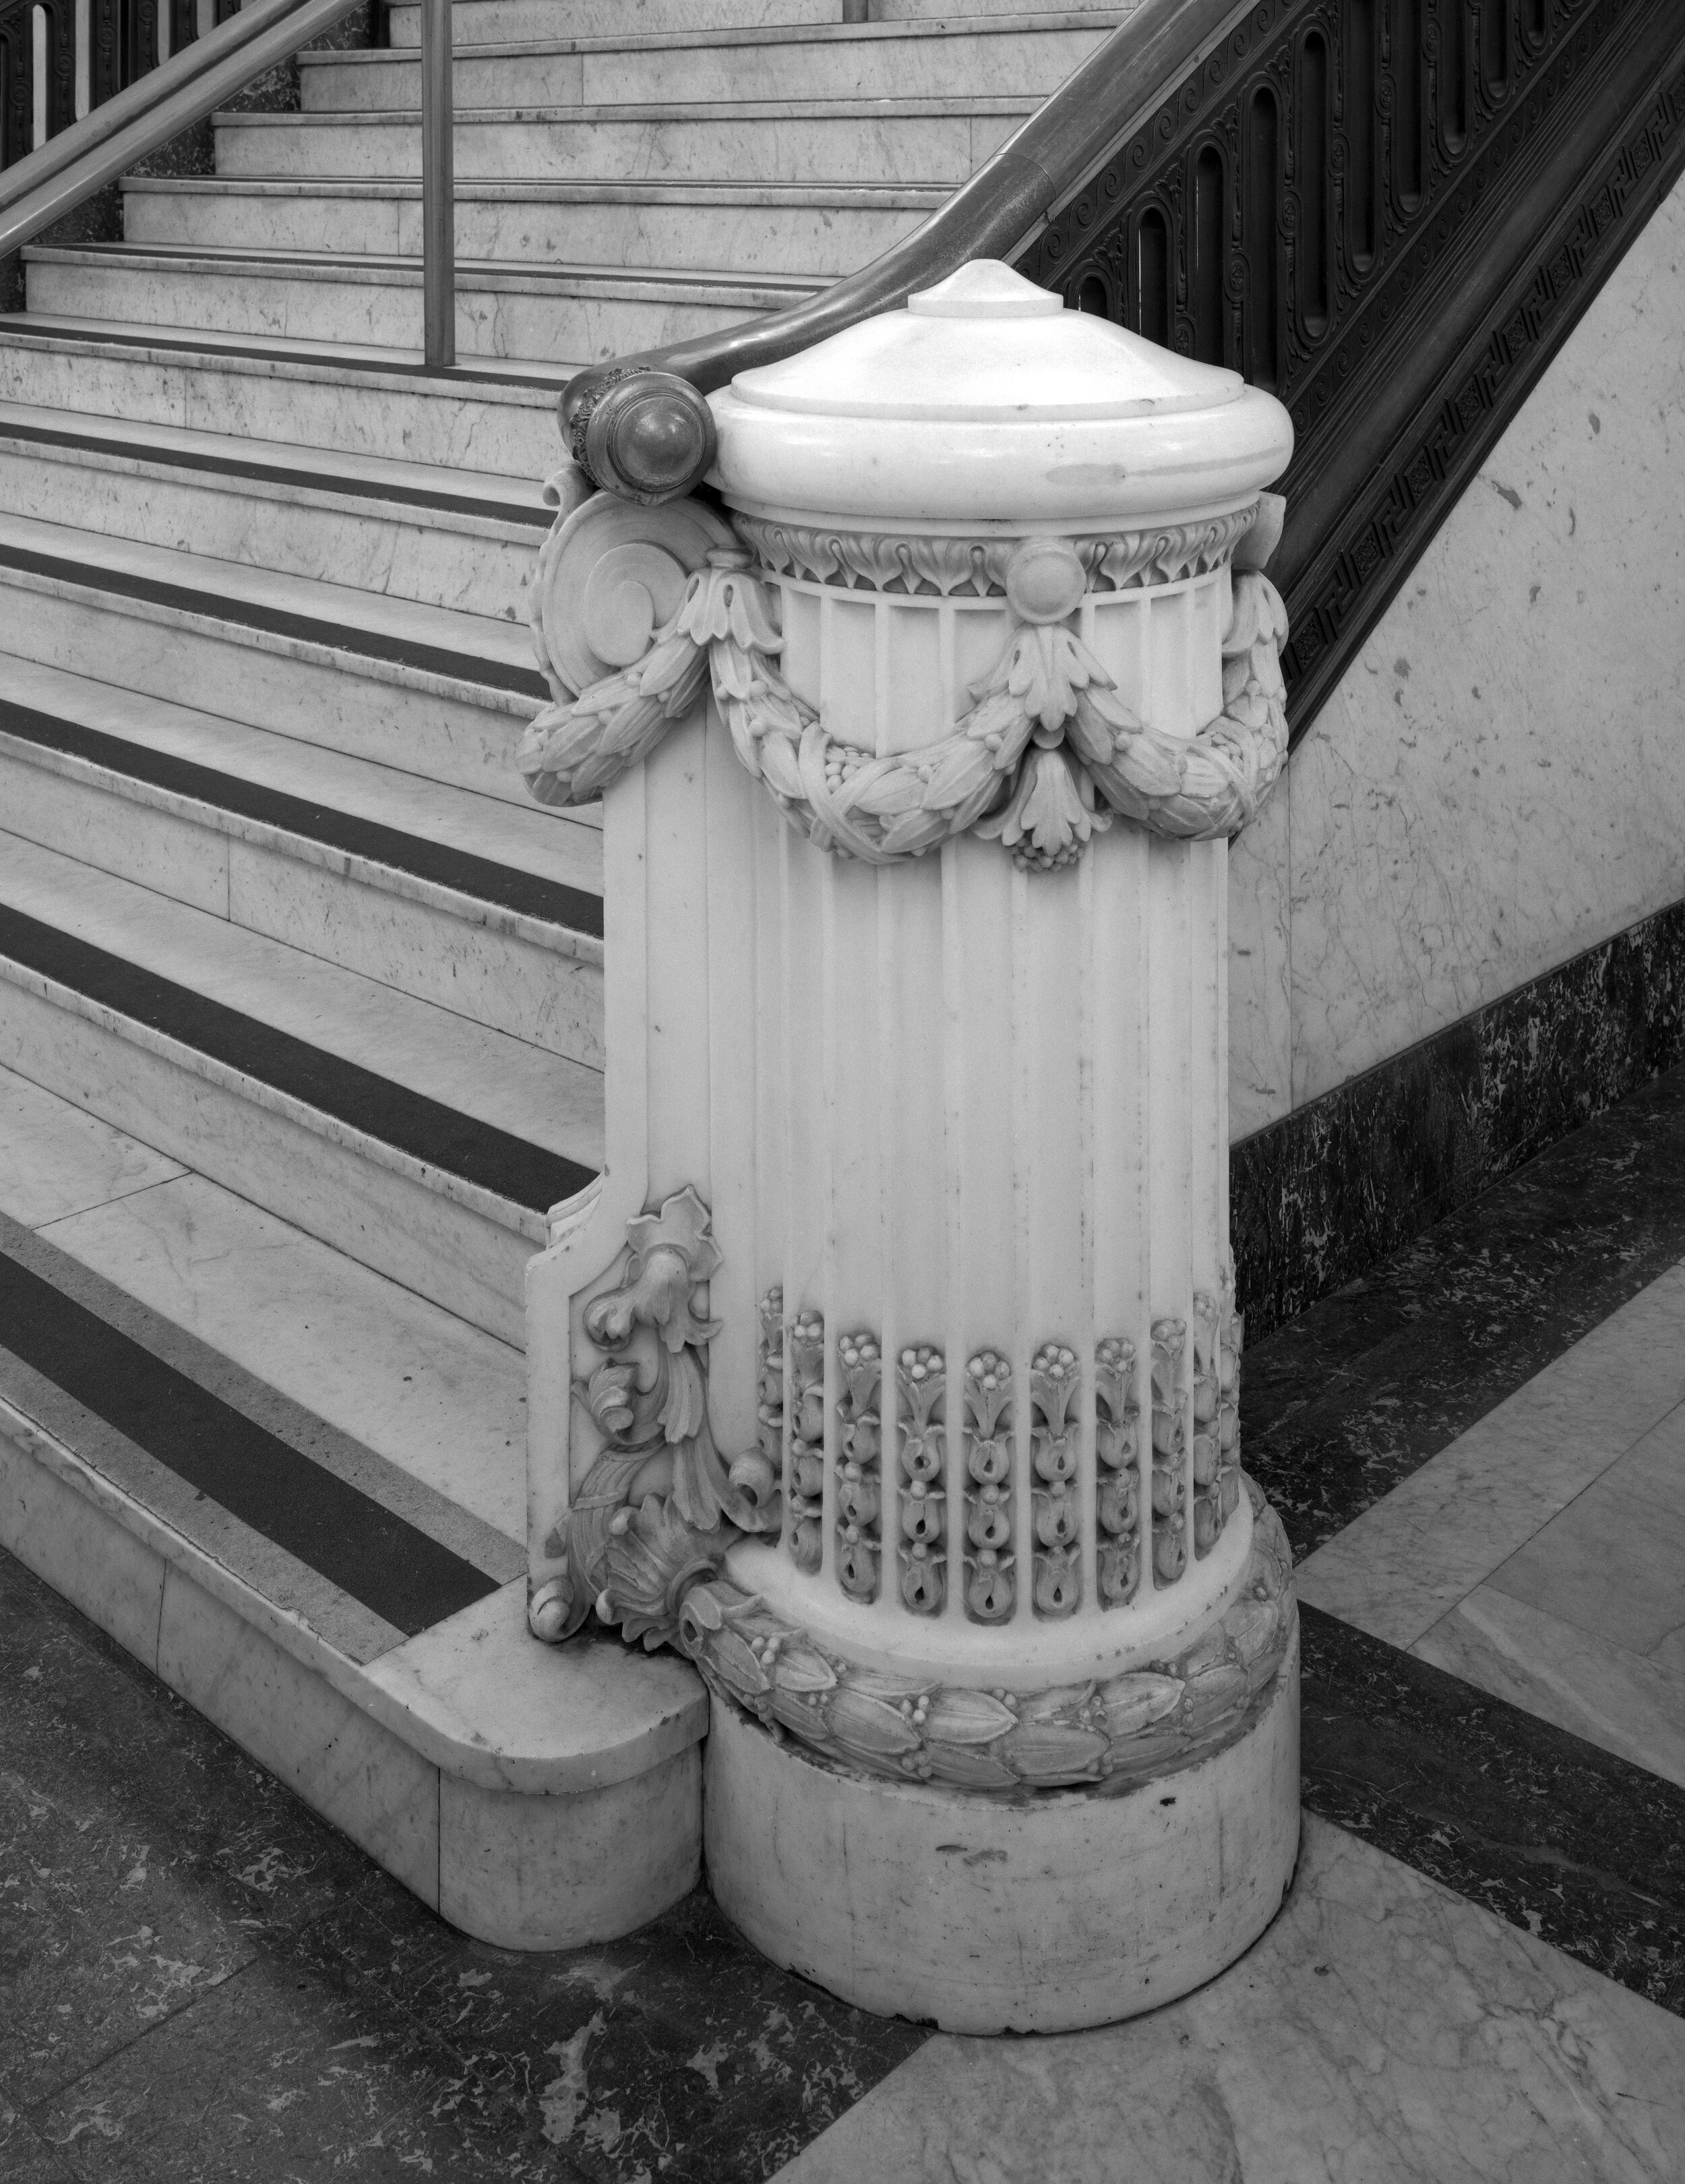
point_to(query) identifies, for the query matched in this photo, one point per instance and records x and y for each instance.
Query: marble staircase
(300, 998)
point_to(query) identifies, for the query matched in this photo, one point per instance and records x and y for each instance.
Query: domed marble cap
(985, 402)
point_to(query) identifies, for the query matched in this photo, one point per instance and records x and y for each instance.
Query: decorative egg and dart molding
(894, 1361)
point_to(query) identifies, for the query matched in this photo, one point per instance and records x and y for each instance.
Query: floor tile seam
(208, 1992)
(1572, 1631)
(126, 2046)
(118, 1198)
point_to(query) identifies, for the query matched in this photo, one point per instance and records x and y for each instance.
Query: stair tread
(440, 642)
(426, 1392)
(918, 106)
(749, 291)
(441, 491)
(522, 379)
(562, 848)
(497, 1087)
(924, 29)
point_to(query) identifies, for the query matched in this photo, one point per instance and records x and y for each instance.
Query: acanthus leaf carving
(660, 1507)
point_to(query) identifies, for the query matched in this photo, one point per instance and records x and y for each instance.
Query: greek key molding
(1133, 1727)
(976, 568)
(1047, 756)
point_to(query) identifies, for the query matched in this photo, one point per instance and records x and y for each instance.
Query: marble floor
(1479, 1973)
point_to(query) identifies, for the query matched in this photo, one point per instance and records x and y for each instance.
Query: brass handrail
(438, 190)
(639, 426)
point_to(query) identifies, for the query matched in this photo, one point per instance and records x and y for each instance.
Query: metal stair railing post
(438, 190)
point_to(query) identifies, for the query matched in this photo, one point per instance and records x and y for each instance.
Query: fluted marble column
(891, 1372)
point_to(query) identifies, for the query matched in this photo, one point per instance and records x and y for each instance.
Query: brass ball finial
(649, 438)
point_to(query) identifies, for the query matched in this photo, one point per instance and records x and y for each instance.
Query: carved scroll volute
(609, 574)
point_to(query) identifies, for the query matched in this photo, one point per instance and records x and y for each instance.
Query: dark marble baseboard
(1324, 1195)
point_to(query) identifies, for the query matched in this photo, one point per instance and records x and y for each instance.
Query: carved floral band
(659, 1509)
(1045, 756)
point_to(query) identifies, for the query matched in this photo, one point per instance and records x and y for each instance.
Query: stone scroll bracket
(653, 1505)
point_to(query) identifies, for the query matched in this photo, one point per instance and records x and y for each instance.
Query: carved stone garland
(1043, 759)
(1129, 1729)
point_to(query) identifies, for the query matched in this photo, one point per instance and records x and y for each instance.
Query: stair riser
(745, 238)
(497, 978)
(489, 322)
(933, 148)
(417, 731)
(987, 66)
(481, 22)
(436, 563)
(378, 420)
(383, 1219)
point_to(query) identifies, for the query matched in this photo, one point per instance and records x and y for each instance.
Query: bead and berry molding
(668, 601)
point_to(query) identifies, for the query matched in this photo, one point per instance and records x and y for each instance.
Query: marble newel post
(891, 1372)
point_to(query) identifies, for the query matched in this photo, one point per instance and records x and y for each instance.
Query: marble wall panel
(1458, 930)
(1499, 784)
(1261, 970)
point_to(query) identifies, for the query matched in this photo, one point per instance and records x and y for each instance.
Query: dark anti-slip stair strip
(1556, 1835)
(356, 488)
(524, 892)
(395, 1569)
(426, 1130)
(278, 622)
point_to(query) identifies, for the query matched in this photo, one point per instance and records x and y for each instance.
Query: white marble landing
(540, 1798)
(1542, 1555)
(1382, 2032)
(606, 1831)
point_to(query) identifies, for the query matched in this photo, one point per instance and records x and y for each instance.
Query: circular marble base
(1063, 1908)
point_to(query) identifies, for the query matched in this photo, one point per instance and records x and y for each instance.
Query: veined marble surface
(1498, 783)
(1409, 1557)
(1382, 2032)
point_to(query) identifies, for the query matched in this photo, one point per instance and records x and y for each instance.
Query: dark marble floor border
(1556, 1835)
(1351, 1397)
(1328, 1191)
